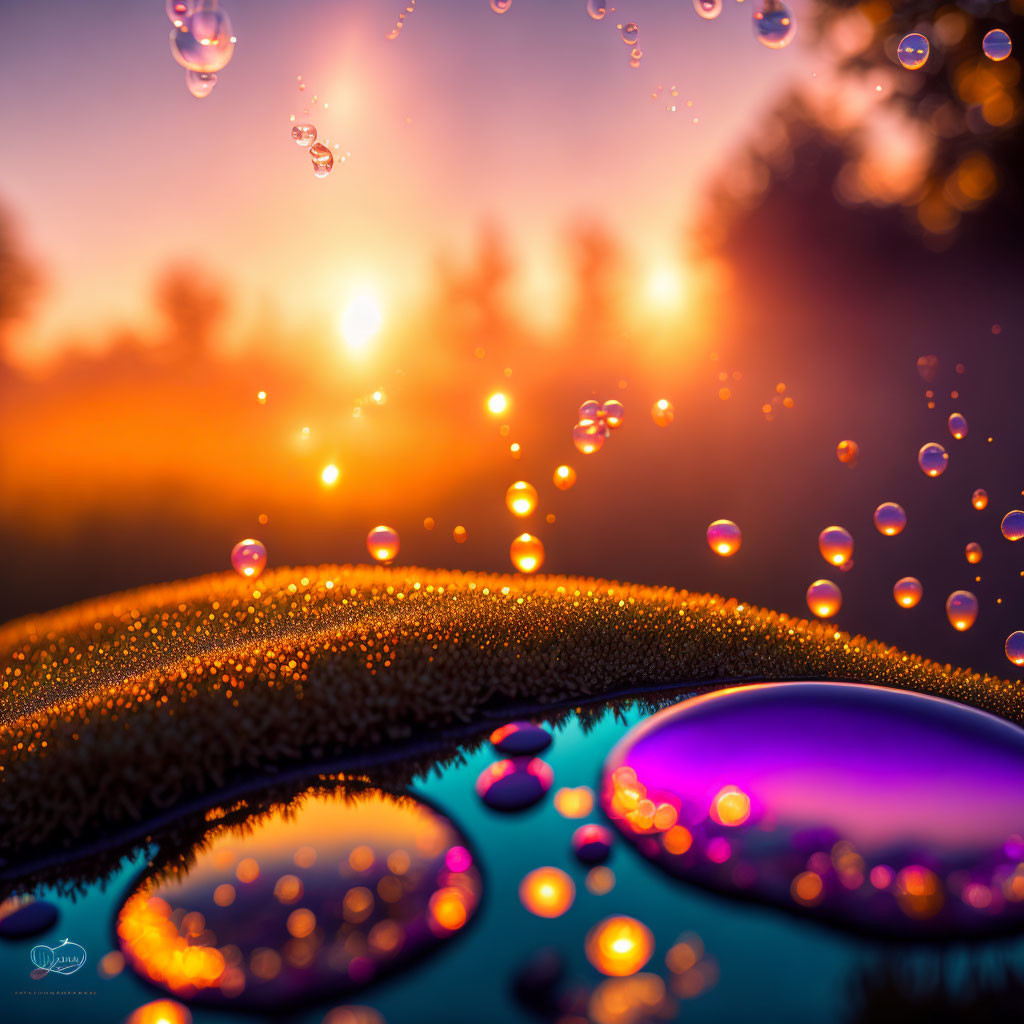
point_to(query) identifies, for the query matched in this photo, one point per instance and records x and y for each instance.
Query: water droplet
(323, 159)
(500, 6)
(589, 435)
(933, 459)
(204, 42)
(979, 499)
(527, 553)
(592, 844)
(518, 738)
(663, 412)
(1015, 647)
(835, 545)
(973, 552)
(996, 45)
(774, 24)
(913, 54)
(514, 783)
(179, 11)
(304, 134)
(1013, 525)
(521, 498)
(890, 518)
(708, 9)
(612, 412)
(596, 9)
(957, 425)
(589, 410)
(248, 557)
(619, 946)
(630, 33)
(724, 537)
(961, 609)
(824, 598)
(564, 477)
(847, 452)
(382, 543)
(547, 892)
(907, 591)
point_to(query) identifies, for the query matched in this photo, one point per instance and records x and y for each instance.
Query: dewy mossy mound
(122, 708)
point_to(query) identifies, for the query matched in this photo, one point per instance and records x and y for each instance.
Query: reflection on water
(318, 898)
(880, 809)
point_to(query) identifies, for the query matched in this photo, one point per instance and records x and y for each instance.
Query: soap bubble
(824, 598)
(527, 553)
(564, 477)
(588, 436)
(500, 6)
(663, 412)
(612, 412)
(890, 518)
(835, 545)
(708, 9)
(204, 43)
(630, 33)
(724, 537)
(589, 410)
(933, 459)
(248, 557)
(521, 498)
(179, 11)
(304, 134)
(199, 83)
(774, 25)
(1013, 525)
(382, 543)
(957, 425)
(847, 452)
(913, 51)
(596, 9)
(1015, 647)
(907, 591)
(973, 552)
(996, 45)
(961, 609)
(979, 499)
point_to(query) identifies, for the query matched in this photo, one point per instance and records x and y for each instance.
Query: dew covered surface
(713, 959)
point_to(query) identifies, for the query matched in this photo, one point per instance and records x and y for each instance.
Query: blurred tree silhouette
(194, 306)
(18, 279)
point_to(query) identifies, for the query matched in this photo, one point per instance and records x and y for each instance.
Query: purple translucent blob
(592, 843)
(879, 809)
(514, 783)
(20, 918)
(519, 738)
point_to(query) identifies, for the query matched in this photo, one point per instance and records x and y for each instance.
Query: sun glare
(361, 321)
(665, 286)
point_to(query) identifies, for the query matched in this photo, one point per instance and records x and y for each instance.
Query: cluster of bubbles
(410, 6)
(202, 42)
(914, 49)
(631, 37)
(321, 153)
(595, 423)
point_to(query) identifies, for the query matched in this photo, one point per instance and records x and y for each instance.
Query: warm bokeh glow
(547, 892)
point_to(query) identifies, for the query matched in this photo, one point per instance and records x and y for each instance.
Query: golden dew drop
(527, 553)
(521, 498)
(824, 598)
(907, 591)
(382, 543)
(724, 537)
(835, 545)
(961, 609)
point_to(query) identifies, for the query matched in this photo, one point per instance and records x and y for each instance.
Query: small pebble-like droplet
(248, 558)
(907, 591)
(996, 45)
(957, 425)
(961, 609)
(527, 553)
(912, 52)
(835, 545)
(933, 459)
(382, 542)
(890, 518)
(824, 598)
(979, 499)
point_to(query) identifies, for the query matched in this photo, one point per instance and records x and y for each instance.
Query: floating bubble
(1015, 647)
(835, 545)
(203, 43)
(179, 11)
(996, 45)
(521, 498)
(389, 880)
(596, 9)
(847, 452)
(199, 83)
(518, 738)
(589, 410)
(382, 543)
(304, 134)
(500, 6)
(663, 412)
(724, 537)
(497, 403)
(248, 557)
(592, 844)
(979, 499)
(1013, 525)
(708, 9)
(961, 609)
(514, 783)
(619, 946)
(774, 25)
(957, 425)
(824, 598)
(323, 159)
(588, 436)
(330, 475)
(870, 809)
(527, 553)
(890, 518)
(547, 892)
(933, 459)
(912, 53)
(612, 412)
(630, 33)
(907, 591)
(564, 477)
(973, 552)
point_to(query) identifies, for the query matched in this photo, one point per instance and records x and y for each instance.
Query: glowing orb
(847, 452)
(497, 403)
(724, 537)
(521, 498)
(564, 477)
(527, 553)
(890, 518)
(933, 459)
(835, 545)
(663, 412)
(973, 552)
(330, 474)
(382, 543)
(957, 425)
(961, 609)
(547, 892)
(612, 412)
(907, 591)
(619, 946)
(589, 435)
(824, 598)
(979, 499)
(248, 558)
(361, 321)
